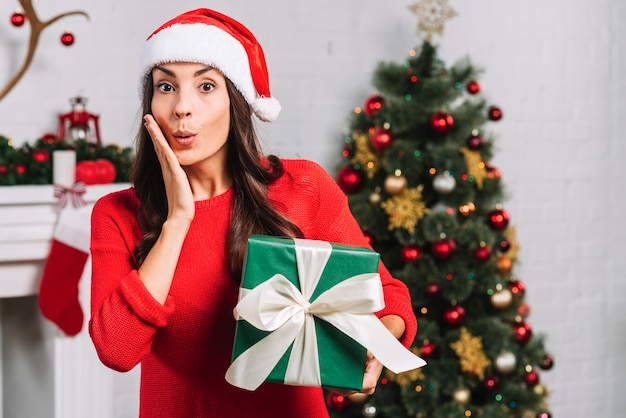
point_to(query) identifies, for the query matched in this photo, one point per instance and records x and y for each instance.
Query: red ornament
(522, 332)
(524, 310)
(441, 122)
(349, 179)
(544, 415)
(67, 38)
(410, 253)
(547, 363)
(20, 169)
(443, 249)
(373, 105)
(491, 383)
(504, 245)
(433, 289)
(455, 315)
(49, 138)
(482, 253)
(18, 18)
(336, 402)
(87, 171)
(4, 169)
(427, 350)
(475, 142)
(105, 171)
(381, 138)
(498, 219)
(531, 378)
(473, 87)
(517, 288)
(493, 172)
(495, 113)
(41, 155)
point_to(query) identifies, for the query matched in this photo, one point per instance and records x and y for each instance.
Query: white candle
(64, 167)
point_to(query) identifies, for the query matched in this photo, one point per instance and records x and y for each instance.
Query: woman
(167, 254)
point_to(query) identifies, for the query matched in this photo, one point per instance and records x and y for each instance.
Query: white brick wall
(555, 68)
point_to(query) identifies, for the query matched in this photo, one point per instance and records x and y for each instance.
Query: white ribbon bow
(278, 306)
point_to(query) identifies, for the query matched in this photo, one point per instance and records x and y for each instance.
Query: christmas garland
(32, 163)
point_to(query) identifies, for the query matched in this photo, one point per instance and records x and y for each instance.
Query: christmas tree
(416, 169)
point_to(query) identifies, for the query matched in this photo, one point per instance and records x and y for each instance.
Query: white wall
(553, 67)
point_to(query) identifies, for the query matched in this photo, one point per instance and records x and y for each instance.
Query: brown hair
(251, 171)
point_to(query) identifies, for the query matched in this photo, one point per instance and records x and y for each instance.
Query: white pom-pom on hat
(209, 37)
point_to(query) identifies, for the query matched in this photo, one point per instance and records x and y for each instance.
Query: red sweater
(185, 346)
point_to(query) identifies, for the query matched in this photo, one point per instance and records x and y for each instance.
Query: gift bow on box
(278, 306)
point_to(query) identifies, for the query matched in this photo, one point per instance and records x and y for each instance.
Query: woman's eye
(164, 87)
(207, 87)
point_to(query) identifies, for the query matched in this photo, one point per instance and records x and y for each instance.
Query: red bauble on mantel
(86, 171)
(105, 171)
(441, 122)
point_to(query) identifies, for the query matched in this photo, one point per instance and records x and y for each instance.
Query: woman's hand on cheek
(180, 201)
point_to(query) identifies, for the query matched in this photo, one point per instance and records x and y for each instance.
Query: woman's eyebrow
(196, 74)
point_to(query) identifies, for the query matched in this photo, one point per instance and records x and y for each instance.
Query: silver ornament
(444, 183)
(505, 362)
(369, 411)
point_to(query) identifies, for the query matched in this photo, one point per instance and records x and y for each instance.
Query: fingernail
(145, 119)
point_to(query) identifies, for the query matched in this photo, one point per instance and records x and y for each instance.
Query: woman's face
(192, 107)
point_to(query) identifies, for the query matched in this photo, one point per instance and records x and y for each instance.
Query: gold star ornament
(431, 15)
(405, 209)
(476, 167)
(470, 351)
(364, 155)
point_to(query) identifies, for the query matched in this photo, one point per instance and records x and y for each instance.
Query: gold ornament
(475, 166)
(502, 299)
(374, 198)
(504, 264)
(511, 237)
(431, 16)
(467, 209)
(395, 184)
(461, 396)
(405, 209)
(539, 389)
(470, 351)
(364, 155)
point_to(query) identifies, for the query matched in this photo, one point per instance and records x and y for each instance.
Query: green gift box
(340, 359)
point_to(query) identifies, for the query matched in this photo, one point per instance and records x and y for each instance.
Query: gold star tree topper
(431, 15)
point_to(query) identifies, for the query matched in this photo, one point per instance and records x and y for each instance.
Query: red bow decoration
(73, 194)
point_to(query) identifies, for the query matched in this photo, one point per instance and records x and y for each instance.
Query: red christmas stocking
(59, 291)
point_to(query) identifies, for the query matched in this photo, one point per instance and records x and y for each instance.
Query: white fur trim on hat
(210, 45)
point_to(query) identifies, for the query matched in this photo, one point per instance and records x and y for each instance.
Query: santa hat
(208, 37)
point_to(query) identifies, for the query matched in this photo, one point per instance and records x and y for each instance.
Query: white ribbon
(278, 306)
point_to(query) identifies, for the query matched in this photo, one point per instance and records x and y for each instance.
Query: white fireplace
(44, 373)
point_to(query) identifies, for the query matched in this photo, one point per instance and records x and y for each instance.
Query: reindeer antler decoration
(36, 27)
